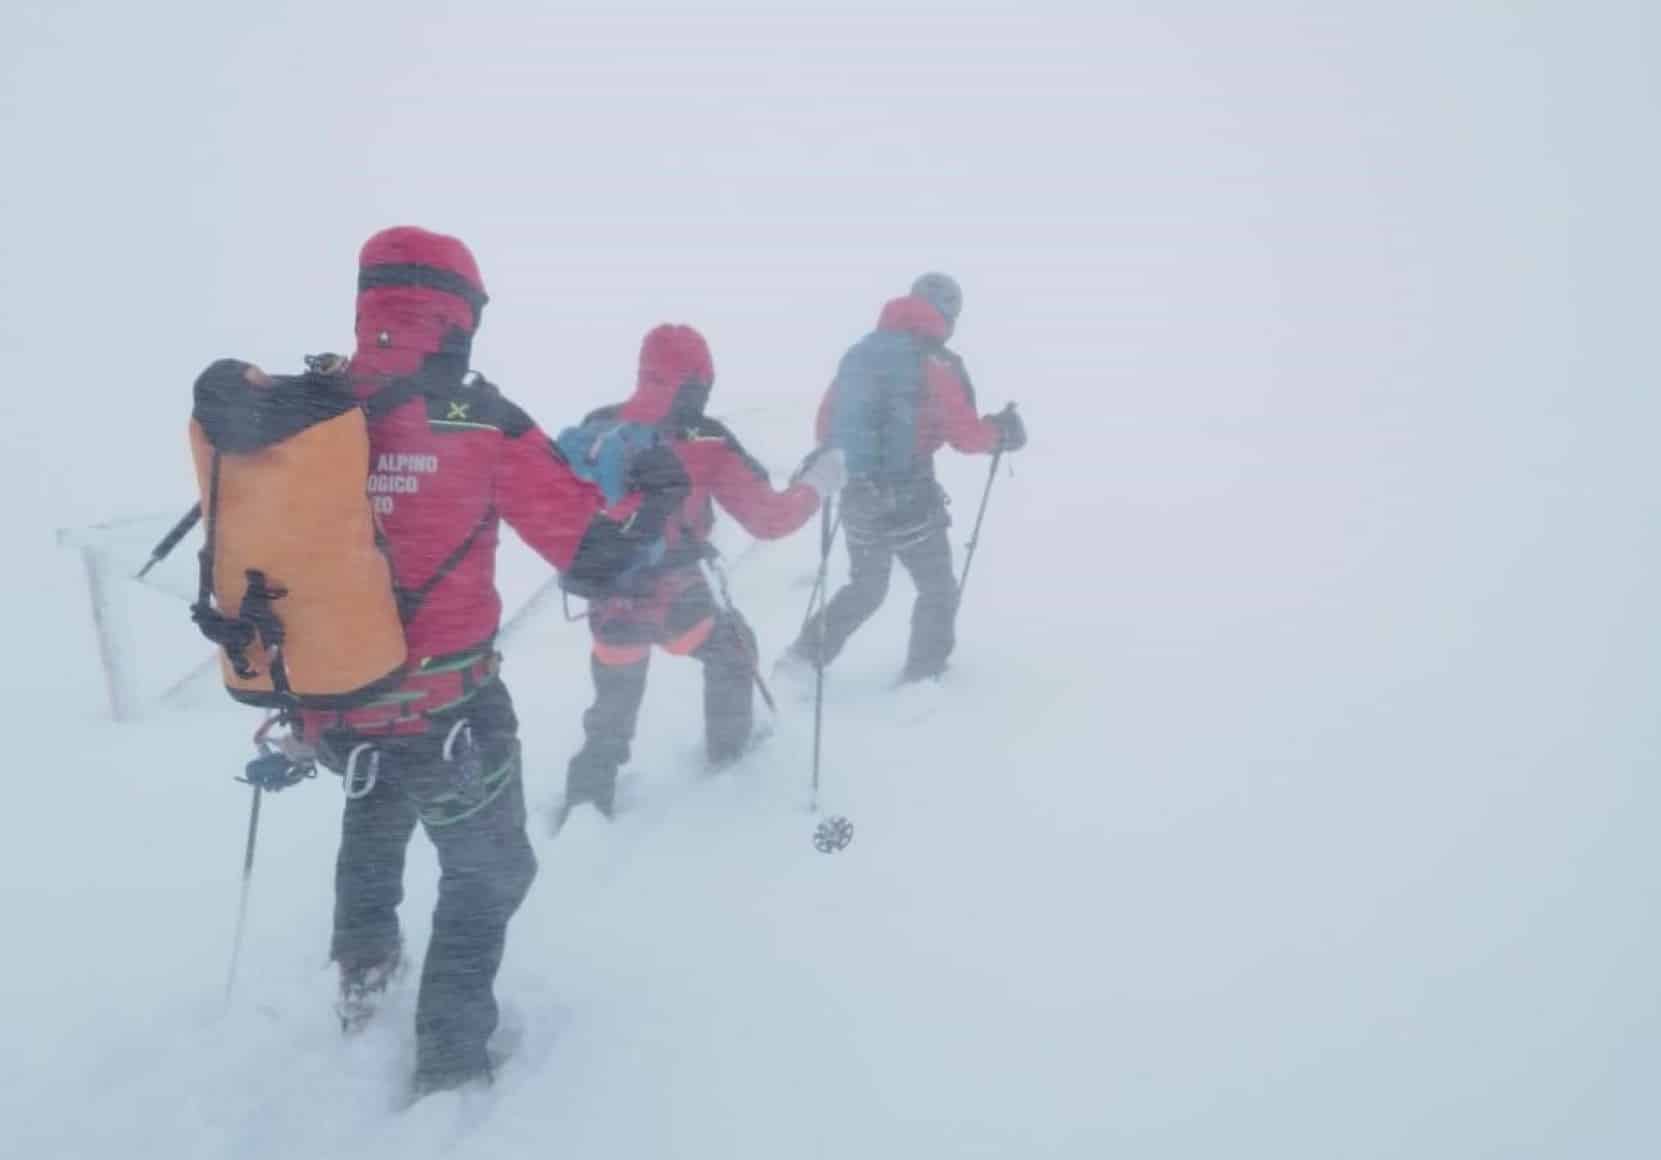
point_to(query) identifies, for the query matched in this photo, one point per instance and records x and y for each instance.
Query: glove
(825, 470)
(1012, 433)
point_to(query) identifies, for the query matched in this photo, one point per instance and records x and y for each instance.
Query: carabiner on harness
(461, 750)
(462, 732)
(350, 781)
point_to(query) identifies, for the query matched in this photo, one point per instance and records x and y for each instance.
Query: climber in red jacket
(671, 605)
(450, 459)
(899, 396)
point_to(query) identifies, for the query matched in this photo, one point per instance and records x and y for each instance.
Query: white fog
(1292, 789)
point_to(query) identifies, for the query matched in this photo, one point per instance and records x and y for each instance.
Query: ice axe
(170, 541)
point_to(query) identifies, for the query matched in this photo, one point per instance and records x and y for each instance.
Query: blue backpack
(876, 406)
(602, 450)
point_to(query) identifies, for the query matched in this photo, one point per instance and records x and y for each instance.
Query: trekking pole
(833, 832)
(242, 906)
(716, 577)
(279, 765)
(170, 541)
(974, 536)
(827, 536)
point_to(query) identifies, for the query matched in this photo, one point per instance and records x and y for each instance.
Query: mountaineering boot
(362, 990)
(794, 674)
(728, 660)
(920, 671)
(428, 1080)
(608, 728)
(718, 759)
(917, 700)
(595, 784)
(591, 781)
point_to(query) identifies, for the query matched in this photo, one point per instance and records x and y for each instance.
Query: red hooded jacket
(948, 405)
(676, 374)
(451, 458)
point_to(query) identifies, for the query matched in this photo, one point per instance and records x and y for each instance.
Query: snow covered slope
(1157, 872)
(1293, 791)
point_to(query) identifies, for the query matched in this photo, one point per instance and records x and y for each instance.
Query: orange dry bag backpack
(295, 589)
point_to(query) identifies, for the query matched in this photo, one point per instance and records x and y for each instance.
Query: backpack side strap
(256, 620)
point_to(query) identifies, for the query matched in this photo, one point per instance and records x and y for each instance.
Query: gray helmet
(942, 292)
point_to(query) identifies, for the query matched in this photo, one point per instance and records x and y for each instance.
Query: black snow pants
(472, 806)
(681, 617)
(880, 523)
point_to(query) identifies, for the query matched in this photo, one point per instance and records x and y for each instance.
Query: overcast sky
(1195, 211)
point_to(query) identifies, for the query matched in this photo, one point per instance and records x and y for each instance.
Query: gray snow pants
(880, 524)
(473, 810)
